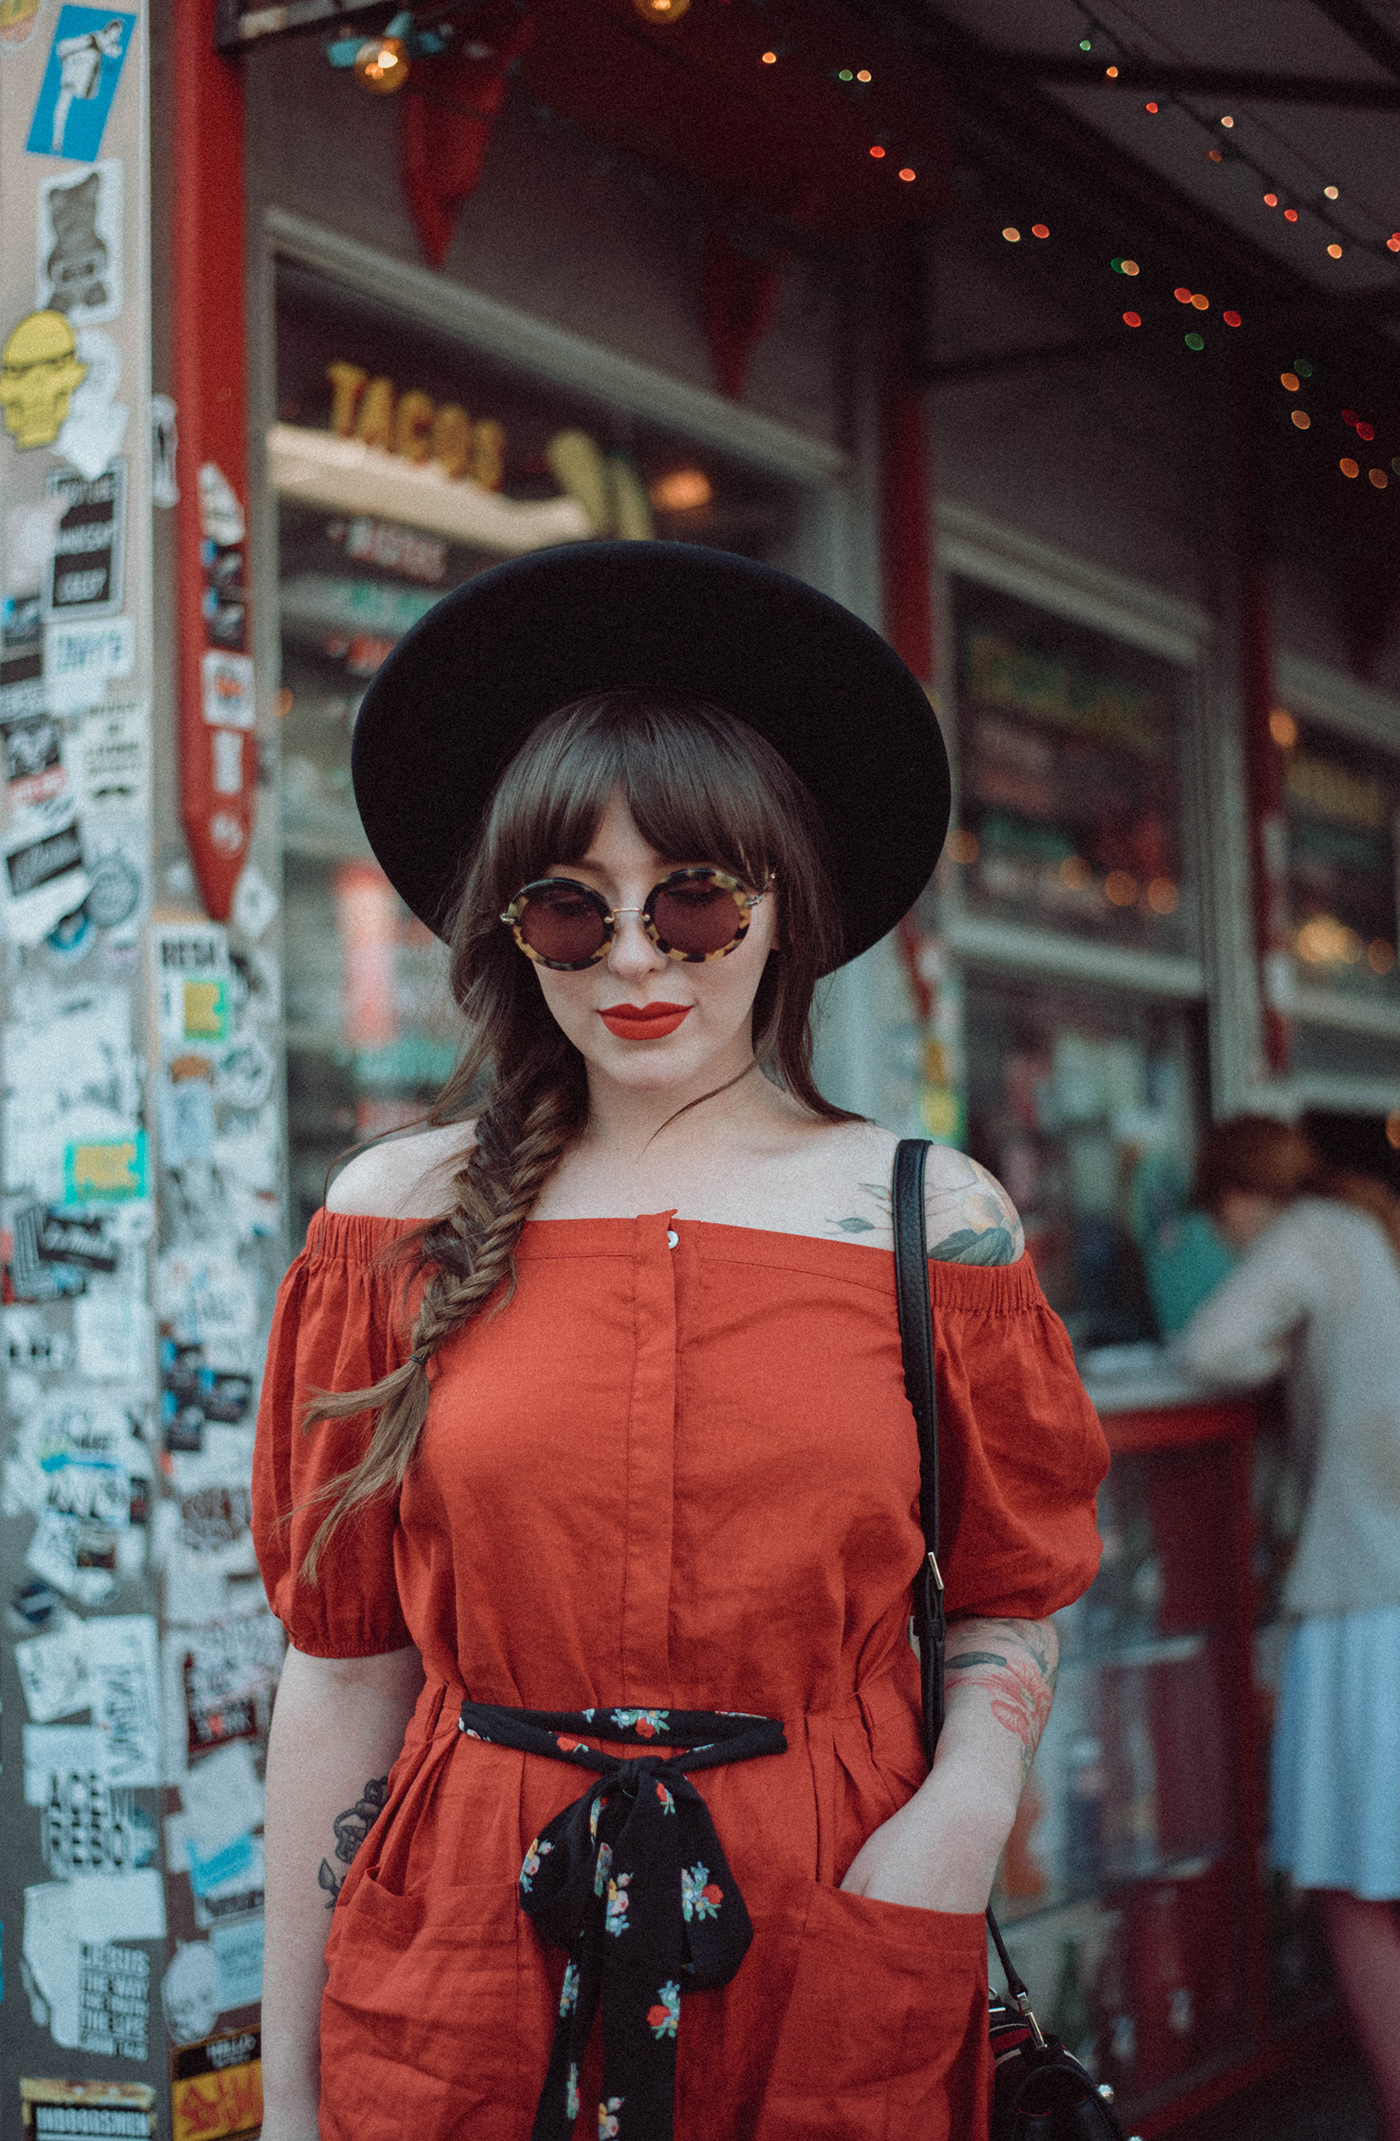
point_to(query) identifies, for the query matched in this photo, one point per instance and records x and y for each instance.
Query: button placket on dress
(650, 1470)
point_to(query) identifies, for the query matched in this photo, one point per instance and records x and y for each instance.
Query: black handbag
(1042, 2092)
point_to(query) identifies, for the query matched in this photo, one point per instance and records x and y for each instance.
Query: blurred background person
(1315, 1297)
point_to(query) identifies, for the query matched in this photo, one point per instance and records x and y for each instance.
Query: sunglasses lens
(563, 926)
(697, 917)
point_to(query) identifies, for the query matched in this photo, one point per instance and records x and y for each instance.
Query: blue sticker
(80, 81)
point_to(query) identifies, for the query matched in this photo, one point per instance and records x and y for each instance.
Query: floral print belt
(631, 1882)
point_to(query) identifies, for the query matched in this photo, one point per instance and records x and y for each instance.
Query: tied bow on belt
(631, 1882)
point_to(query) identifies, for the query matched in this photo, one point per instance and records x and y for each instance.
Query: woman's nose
(631, 950)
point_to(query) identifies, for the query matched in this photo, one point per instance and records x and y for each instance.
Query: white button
(673, 1240)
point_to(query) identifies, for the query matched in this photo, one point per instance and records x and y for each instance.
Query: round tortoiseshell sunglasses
(691, 916)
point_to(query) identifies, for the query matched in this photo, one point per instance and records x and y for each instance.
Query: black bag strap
(915, 1302)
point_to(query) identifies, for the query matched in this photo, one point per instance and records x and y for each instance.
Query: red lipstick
(643, 1022)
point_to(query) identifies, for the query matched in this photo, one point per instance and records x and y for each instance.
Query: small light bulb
(863, 74)
(381, 65)
(664, 11)
(1329, 193)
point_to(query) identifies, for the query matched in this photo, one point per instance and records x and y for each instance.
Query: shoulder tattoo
(969, 1216)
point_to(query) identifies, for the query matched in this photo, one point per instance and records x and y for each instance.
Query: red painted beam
(906, 504)
(218, 760)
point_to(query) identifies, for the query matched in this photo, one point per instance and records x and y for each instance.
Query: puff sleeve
(337, 1326)
(1021, 1451)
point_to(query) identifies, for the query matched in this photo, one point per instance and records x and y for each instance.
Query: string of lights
(383, 63)
(1277, 194)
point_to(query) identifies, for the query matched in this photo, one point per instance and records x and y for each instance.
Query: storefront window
(403, 465)
(1342, 805)
(1071, 758)
(1086, 1108)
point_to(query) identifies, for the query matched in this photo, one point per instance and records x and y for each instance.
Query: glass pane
(1342, 802)
(1085, 1106)
(1124, 1864)
(1070, 750)
(404, 465)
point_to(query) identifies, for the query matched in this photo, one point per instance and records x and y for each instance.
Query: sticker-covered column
(141, 1169)
(82, 1896)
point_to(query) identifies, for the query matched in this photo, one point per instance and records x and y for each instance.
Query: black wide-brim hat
(461, 691)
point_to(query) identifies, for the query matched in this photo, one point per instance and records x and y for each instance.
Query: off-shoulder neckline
(359, 1238)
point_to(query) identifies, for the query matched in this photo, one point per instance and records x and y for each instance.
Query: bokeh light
(1162, 896)
(1283, 728)
(1301, 419)
(1120, 889)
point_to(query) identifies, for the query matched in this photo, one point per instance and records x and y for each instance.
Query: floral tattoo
(1019, 1677)
(351, 1829)
(971, 1220)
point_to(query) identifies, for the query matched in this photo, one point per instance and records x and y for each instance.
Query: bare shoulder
(404, 1178)
(970, 1218)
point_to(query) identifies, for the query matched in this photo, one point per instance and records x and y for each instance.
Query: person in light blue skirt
(1316, 1297)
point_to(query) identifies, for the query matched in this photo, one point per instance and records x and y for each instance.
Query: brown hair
(1268, 1158)
(701, 785)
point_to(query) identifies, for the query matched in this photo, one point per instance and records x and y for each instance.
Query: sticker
(230, 1885)
(254, 903)
(81, 658)
(74, 1458)
(114, 888)
(189, 1992)
(216, 2087)
(116, 2111)
(114, 2001)
(105, 1170)
(246, 1073)
(79, 1240)
(70, 1078)
(33, 1606)
(80, 81)
(21, 649)
(220, 514)
(187, 1108)
(39, 371)
(32, 1276)
(40, 795)
(114, 762)
(18, 21)
(43, 881)
(221, 1798)
(96, 422)
(228, 690)
(78, 268)
(71, 938)
(64, 1923)
(239, 1947)
(219, 1684)
(50, 1750)
(90, 1825)
(124, 1677)
(192, 969)
(84, 577)
(227, 753)
(53, 1671)
(165, 446)
(78, 1558)
(224, 601)
(113, 1335)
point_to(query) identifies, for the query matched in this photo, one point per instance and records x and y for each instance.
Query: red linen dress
(677, 1471)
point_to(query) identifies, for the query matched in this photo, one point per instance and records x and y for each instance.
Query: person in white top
(1315, 1297)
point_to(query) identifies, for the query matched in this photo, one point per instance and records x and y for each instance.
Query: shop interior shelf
(1112, 1882)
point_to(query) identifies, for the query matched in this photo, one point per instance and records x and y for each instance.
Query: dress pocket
(884, 2037)
(422, 1990)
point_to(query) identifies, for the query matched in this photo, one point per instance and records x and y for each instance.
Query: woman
(1316, 1295)
(651, 1479)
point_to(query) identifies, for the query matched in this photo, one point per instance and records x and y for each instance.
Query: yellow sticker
(206, 1010)
(39, 368)
(105, 1170)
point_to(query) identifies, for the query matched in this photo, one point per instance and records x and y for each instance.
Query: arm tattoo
(1019, 1677)
(351, 1829)
(970, 1217)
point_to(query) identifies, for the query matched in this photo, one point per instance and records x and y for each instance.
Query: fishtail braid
(469, 1256)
